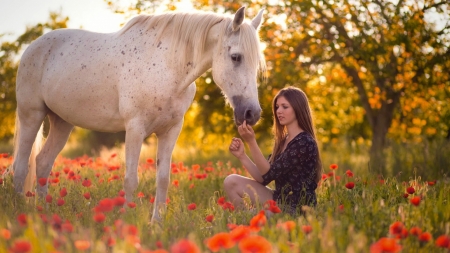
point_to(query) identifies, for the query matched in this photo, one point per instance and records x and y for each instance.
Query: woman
(294, 164)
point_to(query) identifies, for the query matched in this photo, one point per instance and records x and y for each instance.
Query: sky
(93, 15)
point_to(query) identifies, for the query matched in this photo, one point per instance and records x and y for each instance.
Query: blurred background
(376, 73)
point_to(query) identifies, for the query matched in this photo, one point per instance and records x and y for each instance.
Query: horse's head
(235, 67)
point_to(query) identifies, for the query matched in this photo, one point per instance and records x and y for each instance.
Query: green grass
(344, 220)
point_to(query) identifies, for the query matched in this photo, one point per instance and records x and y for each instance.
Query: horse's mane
(189, 32)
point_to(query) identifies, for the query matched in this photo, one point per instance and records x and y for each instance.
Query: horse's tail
(29, 181)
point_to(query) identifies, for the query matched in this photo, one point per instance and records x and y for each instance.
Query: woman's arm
(248, 135)
(237, 149)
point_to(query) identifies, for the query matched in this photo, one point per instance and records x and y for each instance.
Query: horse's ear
(238, 18)
(256, 22)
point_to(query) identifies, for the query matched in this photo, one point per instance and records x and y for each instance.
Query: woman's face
(285, 112)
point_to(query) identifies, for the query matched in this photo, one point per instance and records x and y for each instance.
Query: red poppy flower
(67, 227)
(209, 218)
(121, 193)
(255, 244)
(415, 201)
(396, 228)
(307, 229)
(385, 245)
(228, 206)
(119, 201)
(40, 208)
(42, 181)
(350, 185)
(29, 194)
(131, 204)
(22, 219)
(425, 237)
(63, 192)
(105, 205)
(288, 225)
(99, 217)
(349, 173)
(87, 195)
(219, 241)
(66, 170)
(86, 182)
(258, 220)
(221, 201)
(1, 181)
(431, 183)
(443, 241)
(184, 246)
(410, 190)
(175, 182)
(82, 244)
(271, 205)
(48, 198)
(60, 202)
(416, 231)
(405, 195)
(192, 206)
(324, 176)
(20, 246)
(238, 233)
(5, 233)
(140, 195)
(151, 200)
(333, 166)
(159, 244)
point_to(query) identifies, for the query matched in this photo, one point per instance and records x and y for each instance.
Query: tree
(9, 54)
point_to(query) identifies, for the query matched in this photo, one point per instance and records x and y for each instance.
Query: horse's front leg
(134, 136)
(166, 143)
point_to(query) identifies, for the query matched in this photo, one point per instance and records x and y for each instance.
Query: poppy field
(85, 211)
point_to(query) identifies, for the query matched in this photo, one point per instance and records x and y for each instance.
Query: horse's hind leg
(57, 138)
(29, 121)
(166, 144)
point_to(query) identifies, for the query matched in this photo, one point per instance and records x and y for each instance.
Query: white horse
(139, 79)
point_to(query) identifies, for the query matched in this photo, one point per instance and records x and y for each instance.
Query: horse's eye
(236, 57)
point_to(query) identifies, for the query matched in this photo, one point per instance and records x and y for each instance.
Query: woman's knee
(231, 181)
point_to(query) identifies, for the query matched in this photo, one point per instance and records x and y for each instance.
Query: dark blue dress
(294, 171)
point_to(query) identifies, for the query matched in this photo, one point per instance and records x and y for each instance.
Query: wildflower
(192, 206)
(42, 181)
(333, 166)
(86, 182)
(60, 202)
(1, 181)
(324, 176)
(105, 205)
(350, 185)
(307, 229)
(231, 226)
(87, 195)
(410, 190)
(425, 237)
(228, 205)
(258, 220)
(140, 195)
(415, 231)
(191, 186)
(209, 218)
(63, 192)
(119, 201)
(431, 183)
(443, 241)
(271, 205)
(175, 182)
(151, 200)
(415, 201)
(22, 219)
(39, 208)
(396, 228)
(255, 243)
(159, 244)
(184, 246)
(219, 241)
(20, 246)
(67, 227)
(99, 217)
(131, 204)
(405, 195)
(349, 173)
(29, 194)
(121, 193)
(221, 201)
(82, 244)
(5, 234)
(239, 232)
(385, 245)
(288, 225)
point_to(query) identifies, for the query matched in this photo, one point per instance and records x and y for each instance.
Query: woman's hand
(237, 147)
(246, 132)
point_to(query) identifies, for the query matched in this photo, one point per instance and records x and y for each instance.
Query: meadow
(84, 212)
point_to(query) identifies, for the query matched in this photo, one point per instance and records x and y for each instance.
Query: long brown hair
(299, 102)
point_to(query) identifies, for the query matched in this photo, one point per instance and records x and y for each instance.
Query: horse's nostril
(248, 115)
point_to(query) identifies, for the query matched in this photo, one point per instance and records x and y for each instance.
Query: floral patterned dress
(294, 171)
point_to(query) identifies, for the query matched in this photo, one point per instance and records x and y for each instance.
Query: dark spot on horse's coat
(122, 64)
(61, 54)
(231, 84)
(123, 52)
(159, 109)
(159, 44)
